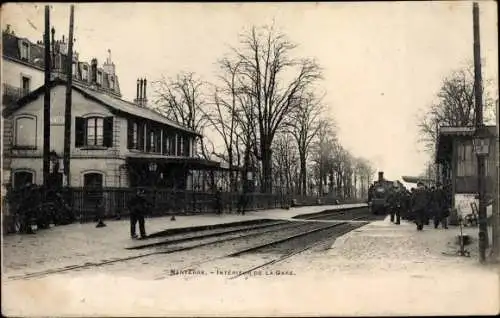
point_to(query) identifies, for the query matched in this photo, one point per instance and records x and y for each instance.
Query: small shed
(457, 164)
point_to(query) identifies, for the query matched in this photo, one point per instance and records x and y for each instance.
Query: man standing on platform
(138, 207)
(420, 203)
(443, 208)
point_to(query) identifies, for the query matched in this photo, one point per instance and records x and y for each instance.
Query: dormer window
(85, 72)
(99, 77)
(112, 82)
(25, 50)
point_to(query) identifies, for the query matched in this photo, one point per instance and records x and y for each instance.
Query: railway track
(273, 231)
(348, 214)
(284, 257)
(233, 236)
(315, 235)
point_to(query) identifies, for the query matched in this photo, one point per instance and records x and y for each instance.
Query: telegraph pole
(46, 101)
(496, 212)
(67, 112)
(478, 88)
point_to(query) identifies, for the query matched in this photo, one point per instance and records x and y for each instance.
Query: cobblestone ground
(379, 269)
(75, 244)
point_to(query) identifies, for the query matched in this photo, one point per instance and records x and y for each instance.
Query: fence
(114, 201)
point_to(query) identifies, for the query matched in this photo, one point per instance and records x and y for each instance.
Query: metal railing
(86, 204)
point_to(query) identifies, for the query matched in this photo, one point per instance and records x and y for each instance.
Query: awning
(410, 179)
(444, 144)
(187, 162)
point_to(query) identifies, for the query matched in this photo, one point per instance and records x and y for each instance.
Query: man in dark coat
(28, 206)
(443, 208)
(433, 209)
(420, 203)
(242, 201)
(405, 205)
(394, 201)
(138, 206)
(218, 201)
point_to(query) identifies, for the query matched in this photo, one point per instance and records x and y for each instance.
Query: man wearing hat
(420, 203)
(138, 206)
(443, 209)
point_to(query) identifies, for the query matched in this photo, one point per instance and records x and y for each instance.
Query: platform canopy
(444, 144)
(187, 162)
(410, 179)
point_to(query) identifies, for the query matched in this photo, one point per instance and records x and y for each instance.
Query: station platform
(388, 269)
(379, 269)
(74, 244)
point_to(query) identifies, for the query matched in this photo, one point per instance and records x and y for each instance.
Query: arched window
(25, 131)
(22, 177)
(93, 180)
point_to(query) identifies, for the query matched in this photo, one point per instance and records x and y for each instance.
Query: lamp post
(481, 144)
(247, 188)
(152, 169)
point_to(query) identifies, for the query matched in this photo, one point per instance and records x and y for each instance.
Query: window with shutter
(108, 132)
(178, 140)
(172, 147)
(140, 136)
(79, 131)
(130, 133)
(158, 140)
(94, 131)
(151, 141)
(147, 134)
(186, 146)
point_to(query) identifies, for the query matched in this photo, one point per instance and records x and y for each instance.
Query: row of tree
(268, 114)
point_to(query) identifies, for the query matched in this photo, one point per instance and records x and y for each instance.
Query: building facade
(23, 63)
(113, 142)
(457, 165)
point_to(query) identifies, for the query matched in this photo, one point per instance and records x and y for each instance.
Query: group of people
(40, 206)
(420, 205)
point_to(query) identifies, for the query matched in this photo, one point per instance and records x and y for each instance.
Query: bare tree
(304, 126)
(322, 152)
(364, 171)
(222, 116)
(455, 106)
(274, 80)
(286, 162)
(182, 100)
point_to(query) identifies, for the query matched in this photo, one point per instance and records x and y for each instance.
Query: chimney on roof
(137, 94)
(93, 71)
(141, 99)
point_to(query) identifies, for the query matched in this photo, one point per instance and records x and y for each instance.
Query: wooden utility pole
(496, 212)
(67, 112)
(46, 101)
(478, 88)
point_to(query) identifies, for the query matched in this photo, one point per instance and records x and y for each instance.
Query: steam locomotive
(379, 193)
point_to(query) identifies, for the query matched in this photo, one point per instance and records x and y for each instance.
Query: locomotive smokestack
(380, 176)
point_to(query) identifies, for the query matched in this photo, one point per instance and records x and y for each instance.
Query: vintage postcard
(250, 159)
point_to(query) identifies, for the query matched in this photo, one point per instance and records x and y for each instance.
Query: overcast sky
(383, 62)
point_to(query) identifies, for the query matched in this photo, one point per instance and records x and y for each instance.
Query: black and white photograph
(243, 159)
